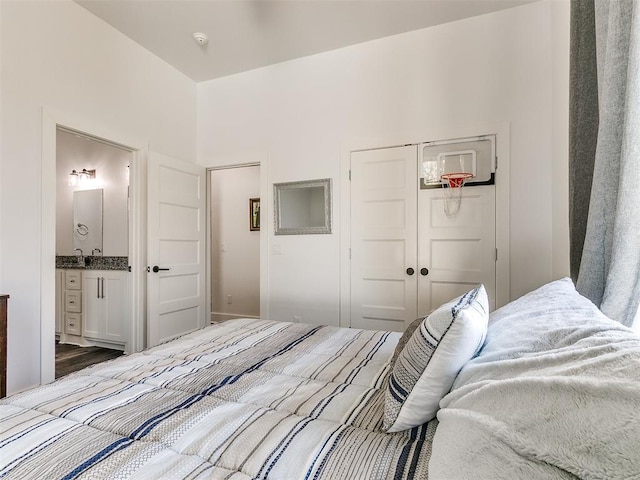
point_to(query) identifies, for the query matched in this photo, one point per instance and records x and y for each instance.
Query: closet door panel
(458, 250)
(384, 238)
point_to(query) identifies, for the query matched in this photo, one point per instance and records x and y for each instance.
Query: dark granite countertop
(92, 262)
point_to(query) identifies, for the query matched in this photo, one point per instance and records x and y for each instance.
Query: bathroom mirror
(87, 221)
(302, 207)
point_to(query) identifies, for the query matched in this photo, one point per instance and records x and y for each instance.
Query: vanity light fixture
(73, 178)
(79, 178)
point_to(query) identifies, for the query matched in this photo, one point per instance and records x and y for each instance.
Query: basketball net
(452, 184)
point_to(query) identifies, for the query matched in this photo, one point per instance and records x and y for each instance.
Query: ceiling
(248, 34)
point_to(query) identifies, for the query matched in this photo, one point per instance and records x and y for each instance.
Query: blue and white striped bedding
(239, 400)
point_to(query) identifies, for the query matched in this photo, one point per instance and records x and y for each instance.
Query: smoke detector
(200, 38)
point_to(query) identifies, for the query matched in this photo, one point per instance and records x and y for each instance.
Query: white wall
(111, 164)
(560, 131)
(235, 250)
(491, 69)
(57, 55)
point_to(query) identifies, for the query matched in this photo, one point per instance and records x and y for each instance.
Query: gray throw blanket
(554, 393)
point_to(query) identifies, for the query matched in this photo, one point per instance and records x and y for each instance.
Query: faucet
(80, 257)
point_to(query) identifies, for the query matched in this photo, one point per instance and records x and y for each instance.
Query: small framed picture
(254, 214)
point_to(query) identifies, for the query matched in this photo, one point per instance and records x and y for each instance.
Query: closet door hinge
(349, 175)
(496, 254)
(349, 253)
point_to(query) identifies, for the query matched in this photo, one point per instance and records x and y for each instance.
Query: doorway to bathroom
(92, 318)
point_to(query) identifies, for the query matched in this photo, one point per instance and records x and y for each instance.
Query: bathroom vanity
(92, 302)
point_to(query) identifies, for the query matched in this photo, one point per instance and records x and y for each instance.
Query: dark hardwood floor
(71, 358)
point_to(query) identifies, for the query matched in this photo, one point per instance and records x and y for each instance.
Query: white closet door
(458, 251)
(176, 248)
(384, 188)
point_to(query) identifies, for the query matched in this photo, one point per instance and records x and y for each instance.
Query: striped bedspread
(239, 400)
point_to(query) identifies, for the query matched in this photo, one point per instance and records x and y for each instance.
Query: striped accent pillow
(429, 363)
(413, 326)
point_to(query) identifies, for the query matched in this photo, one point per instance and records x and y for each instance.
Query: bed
(551, 391)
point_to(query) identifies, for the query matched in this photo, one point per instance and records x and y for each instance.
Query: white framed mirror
(303, 207)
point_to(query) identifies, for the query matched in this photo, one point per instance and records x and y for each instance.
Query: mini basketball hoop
(453, 183)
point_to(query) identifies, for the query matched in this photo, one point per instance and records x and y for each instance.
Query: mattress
(237, 400)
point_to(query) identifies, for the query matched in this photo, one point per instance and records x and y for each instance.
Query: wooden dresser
(3, 345)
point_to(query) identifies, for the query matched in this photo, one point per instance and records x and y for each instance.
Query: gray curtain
(583, 125)
(609, 272)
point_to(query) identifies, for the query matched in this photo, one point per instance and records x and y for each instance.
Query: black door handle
(424, 271)
(410, 271)
(156, 269)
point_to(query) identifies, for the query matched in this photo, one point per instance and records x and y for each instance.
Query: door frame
(436, 133)
(266, 212)
(51, 120)
(209, 274)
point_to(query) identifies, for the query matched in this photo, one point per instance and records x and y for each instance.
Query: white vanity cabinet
(104, 305)
(68, 313)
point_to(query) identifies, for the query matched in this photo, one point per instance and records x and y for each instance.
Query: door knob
(424, 271)
(157, 269)
(410, 271)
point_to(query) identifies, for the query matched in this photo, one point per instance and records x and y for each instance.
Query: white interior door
(176, 248)
(455, 252)
(384, 238)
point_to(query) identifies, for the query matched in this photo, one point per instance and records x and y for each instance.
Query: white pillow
(433, 356)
